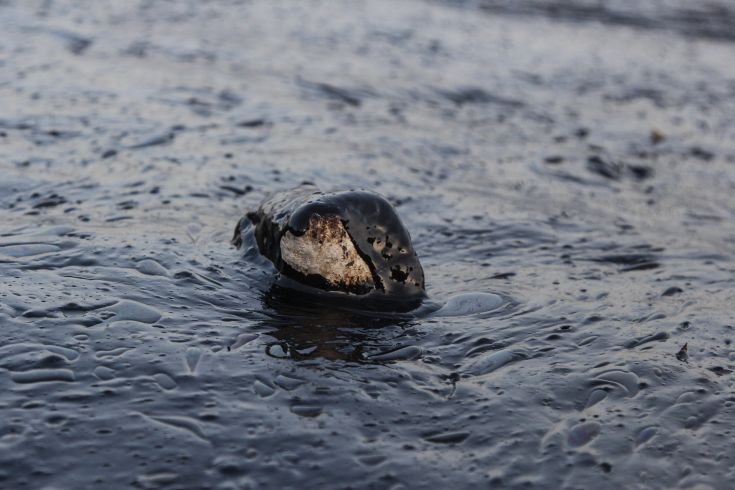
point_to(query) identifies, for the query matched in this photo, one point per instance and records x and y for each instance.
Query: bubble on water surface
(134, 311)
(470, 304)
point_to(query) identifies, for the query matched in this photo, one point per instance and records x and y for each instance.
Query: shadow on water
(308, 326)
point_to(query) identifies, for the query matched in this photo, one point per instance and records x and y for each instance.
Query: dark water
(708, 19)
(569, 183)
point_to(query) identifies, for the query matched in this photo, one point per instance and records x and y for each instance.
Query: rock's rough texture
(326, 250)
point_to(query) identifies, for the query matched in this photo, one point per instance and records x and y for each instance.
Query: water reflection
(307, 326)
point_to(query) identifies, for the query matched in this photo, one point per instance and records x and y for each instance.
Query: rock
(350, 241)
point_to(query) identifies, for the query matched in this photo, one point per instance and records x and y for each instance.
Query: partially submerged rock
(350, 241)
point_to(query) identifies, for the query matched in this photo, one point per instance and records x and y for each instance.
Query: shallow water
(568, 182)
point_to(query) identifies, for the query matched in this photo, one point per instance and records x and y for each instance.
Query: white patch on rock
(325, 249)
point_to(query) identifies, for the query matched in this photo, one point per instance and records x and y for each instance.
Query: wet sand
(568, 181)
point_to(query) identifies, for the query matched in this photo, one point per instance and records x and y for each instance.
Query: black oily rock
(348, 241)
